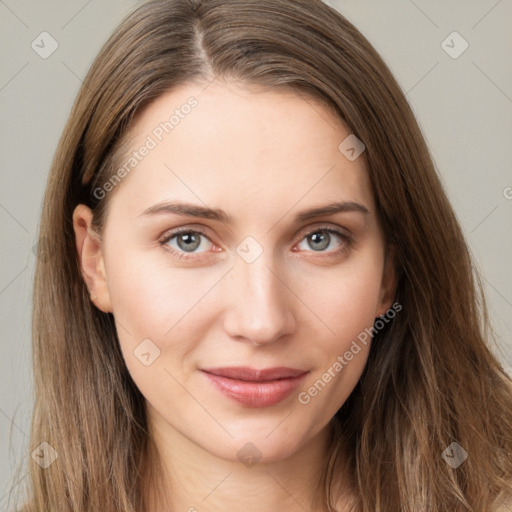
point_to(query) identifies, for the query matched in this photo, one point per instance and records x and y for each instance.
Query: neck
(191, 479)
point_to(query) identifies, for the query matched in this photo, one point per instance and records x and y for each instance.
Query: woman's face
(212, 257)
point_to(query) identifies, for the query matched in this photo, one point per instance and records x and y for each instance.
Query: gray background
(464, 106)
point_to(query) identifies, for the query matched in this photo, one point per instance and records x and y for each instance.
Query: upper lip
(254, 375)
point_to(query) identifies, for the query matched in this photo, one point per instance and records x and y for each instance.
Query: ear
(388, 285)
(90, 256)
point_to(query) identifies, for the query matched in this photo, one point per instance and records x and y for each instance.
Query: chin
(258, 443)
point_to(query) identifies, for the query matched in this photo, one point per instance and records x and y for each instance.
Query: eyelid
(324, 227)
(346, 238)
(308, 230)
(171, 233)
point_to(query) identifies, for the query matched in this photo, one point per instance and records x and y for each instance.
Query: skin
(262, 157)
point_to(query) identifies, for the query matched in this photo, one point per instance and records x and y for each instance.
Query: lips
(255, 388)
(250, 374)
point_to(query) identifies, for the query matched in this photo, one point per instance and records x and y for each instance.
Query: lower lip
(255, 394)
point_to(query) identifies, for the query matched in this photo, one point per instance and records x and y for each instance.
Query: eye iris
(188, 241)
(321, 237)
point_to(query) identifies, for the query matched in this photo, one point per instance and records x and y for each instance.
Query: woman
(259, 297)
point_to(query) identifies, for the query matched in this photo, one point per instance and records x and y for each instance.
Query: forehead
(233, 144)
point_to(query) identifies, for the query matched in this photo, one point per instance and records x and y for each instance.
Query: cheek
(345, 298)
(151, 296)
(151, 299)
(160, 319)
(345, 302)
(170, 307)
(176, 307)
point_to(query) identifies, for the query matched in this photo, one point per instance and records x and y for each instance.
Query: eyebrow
(193, 210)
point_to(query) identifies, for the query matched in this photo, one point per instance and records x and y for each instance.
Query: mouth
(255, 388)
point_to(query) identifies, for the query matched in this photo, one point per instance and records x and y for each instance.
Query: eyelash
(169, 235)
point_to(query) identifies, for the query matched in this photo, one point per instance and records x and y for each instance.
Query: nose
(260, 303)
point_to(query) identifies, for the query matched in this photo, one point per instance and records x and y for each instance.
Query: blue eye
(186, 241)
(321, 239)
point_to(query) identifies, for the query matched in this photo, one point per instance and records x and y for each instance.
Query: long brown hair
(431, 379)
